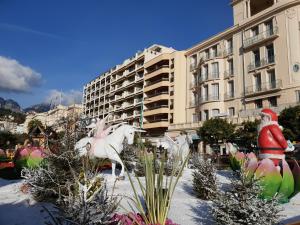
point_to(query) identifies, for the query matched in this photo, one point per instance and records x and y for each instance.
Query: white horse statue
(178, 148)
(107, 143)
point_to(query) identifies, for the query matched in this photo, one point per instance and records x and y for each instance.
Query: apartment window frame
(231, 111)
(215, 112)
(256, 57)
(215, 91)
(270, 53)
(215, 70)
(258, 103)
(273, 101)
(231, 88)
(271, 78)
(257, 82)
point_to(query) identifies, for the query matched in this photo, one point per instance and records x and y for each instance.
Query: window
(255, 31)
(172, 77)
(204, 72)
(215, 91)
(195, 118)
(256, 58)
(193, 61)
(231, 111)
(231, 89)
(215, 70)
(205, 93)
(258, 104)
(206, 54)
(171, 117)
(270, 53)
(215, 112)
(214, 51)
(269, 28)
(171, 90)
(230, 67)
(205, 115)
(272, 79)
(230, 45)
(273, 101)
(298, 95)
(257, 78)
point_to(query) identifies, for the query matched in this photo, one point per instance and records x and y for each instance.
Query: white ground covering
(17, 208)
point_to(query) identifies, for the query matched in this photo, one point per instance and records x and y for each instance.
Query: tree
(33, 124)
(289, 118)
(246, 135)
(215, 130)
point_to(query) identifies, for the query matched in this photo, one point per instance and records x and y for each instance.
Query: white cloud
(14, 77)
(65, 98)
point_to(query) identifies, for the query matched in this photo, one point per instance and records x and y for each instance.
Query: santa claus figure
(271, 142)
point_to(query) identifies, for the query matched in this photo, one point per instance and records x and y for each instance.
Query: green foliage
(157, 191)
(16, 116)
(33, 124)
(9, 140)
(246, 135)
(289, 118)
(215, 130)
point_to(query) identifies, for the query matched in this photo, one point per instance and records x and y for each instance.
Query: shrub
(242, 205)
(204, 178)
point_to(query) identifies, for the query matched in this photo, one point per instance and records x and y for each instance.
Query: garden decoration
(178, 148)
(29, 157)
(275, 175)
(107, 142)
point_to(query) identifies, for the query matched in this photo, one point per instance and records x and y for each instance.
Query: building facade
(253, 64)
(137, 91)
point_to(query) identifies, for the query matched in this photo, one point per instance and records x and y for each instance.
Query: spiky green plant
(157, 191)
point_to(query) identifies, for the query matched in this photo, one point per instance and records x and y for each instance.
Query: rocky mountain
(10, 104)
(43, 107)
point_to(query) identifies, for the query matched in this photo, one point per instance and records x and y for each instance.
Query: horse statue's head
(129, 131)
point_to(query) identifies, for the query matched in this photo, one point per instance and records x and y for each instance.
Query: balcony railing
(260, 37)
(157, 107)
(157, 120)
(209, 98)
(156, 68)
(260, 63)
(229, 95)
(228, 73)
(264, 87)
(156, 81)
(228, 51)
(210, 76)
(193, 66)
(157, 94)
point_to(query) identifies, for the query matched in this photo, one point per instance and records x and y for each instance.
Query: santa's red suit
(271, 141)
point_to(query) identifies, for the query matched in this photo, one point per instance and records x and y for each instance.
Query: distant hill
(10, 104)
(43, 107)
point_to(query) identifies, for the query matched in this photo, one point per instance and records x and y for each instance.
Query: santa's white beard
(264, 123)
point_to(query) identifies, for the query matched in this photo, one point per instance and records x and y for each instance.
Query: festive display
(30, 157)
(276, 175)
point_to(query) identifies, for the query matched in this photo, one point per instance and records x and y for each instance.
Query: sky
(57, 46)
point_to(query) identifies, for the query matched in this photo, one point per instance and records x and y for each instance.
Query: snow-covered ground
(17, 208)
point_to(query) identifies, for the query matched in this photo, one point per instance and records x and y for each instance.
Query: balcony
(158, 109)
(156, 68)
(209, 98)
(228, 52)
(261, 37)
(210, 76)
(156, 84)
(263, 88)
(228, 73)
(157, 94)
(228, 96)
(155, 123)
(261, 63)
(193, 66)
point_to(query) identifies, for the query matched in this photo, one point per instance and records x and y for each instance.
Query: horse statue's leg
(121, 177)
(113, 169)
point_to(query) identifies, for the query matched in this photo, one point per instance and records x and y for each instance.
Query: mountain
(43, 107)
(10, 104)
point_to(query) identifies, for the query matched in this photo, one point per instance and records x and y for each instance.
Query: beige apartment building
(253, 64)
(140, 91)
(53, 116)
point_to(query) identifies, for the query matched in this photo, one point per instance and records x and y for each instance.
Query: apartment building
(253, 64)
(137, 91)
(164, 92)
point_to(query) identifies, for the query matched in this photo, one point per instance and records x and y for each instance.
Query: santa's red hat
(270, 113)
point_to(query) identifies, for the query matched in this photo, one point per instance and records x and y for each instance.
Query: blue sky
(62, 44)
